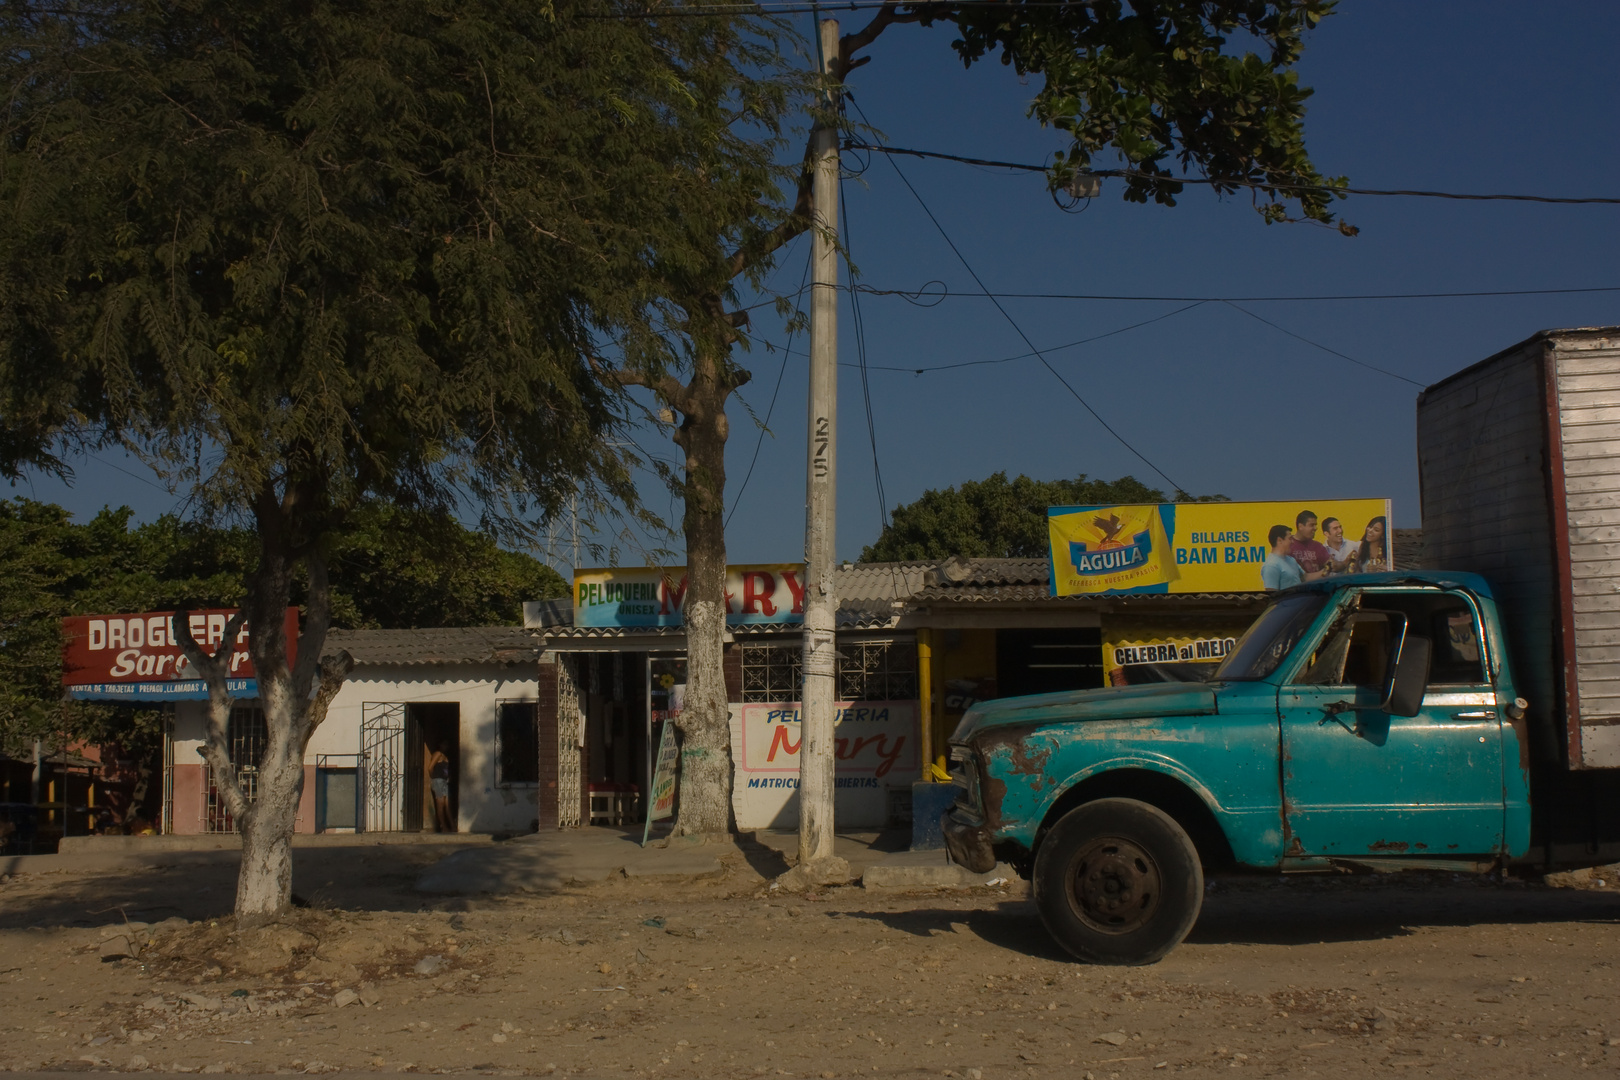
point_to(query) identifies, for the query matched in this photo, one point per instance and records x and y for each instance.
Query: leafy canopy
(304, 252)
(397, 569)
(1209, 85)
(996, 518)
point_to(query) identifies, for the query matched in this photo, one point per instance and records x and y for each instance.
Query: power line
(1010, 320)
(1028, 355)
(1262, 185)
(1324, 348)
(794, 7)
(771, 408)
(946, 293)
(860, 353)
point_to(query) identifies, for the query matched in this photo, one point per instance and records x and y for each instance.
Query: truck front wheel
(1118, 882)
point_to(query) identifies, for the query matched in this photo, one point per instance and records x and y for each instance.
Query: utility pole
(817, 862)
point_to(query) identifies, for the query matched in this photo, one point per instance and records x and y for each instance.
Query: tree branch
(789, 227)
(665, 386)
(317, 620)
(850, 44)
(214, 668)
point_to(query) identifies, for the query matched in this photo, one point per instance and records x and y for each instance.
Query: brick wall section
(731, 665)
(546, 720)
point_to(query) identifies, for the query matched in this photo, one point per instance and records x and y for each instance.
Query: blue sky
(1473, 97)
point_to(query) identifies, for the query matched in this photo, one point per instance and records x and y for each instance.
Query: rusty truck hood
(1153, 701)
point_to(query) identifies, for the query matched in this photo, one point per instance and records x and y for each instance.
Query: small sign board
(662, 803)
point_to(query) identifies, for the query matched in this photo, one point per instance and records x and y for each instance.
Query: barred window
(771, 673)
(877, 671)
(867, 671)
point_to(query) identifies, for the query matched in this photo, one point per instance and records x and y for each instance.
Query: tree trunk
(705, 721)
(291, 715)
(264, 882)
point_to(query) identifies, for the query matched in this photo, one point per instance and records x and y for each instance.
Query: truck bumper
(968, 843)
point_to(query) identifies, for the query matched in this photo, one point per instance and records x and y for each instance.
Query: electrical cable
(1324, 348)
(860, 353)
(914, 296)
(798, 7)
(764, 425)
(1008, 316)
(1054, 348)
(1262, 185)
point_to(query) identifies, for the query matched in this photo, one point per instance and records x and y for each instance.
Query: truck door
(1358, 782)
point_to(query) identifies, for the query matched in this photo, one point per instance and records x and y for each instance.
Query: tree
(993, 518)
(304, 254)
(396, 569)
(393, 569)
(1150, 80)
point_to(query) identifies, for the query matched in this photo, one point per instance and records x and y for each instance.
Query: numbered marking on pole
(823, 441)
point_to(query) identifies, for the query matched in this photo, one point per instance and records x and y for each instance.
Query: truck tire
(1118, 882)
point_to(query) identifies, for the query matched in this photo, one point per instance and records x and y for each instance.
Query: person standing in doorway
(439, 782)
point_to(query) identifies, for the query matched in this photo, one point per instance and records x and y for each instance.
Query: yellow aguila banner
(1109, 549)
(1215, 546)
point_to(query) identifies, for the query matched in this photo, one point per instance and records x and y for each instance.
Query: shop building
(555, 724)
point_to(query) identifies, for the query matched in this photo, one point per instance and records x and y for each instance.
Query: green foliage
(306, 252)
(1165, 79)
(997, 518)
(399, 569)
(396, 569)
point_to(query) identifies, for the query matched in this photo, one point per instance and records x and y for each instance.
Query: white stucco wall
(484, 806)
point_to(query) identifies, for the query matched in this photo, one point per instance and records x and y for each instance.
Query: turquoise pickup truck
(1369, 721)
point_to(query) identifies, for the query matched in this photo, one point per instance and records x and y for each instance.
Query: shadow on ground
(202, 885)
(1264, 911)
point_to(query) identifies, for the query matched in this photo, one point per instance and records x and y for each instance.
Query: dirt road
(724, 977)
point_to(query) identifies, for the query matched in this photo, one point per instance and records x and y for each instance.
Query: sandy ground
(725, 977)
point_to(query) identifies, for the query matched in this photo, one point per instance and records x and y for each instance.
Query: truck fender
(1158, 783)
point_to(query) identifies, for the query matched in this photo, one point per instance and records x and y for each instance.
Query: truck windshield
(1272, 637)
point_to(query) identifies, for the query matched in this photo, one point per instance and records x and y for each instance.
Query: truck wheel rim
(1114, 885)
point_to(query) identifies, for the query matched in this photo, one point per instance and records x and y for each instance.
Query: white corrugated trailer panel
(1587, 377)
(1483, 464)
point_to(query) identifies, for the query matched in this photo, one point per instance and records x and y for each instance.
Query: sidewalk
(476, 863)
(543, 862)
(83, 854)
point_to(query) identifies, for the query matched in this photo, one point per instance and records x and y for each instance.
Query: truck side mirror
(1408, 677)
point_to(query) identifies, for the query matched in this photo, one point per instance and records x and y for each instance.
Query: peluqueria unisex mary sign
(1214, 547)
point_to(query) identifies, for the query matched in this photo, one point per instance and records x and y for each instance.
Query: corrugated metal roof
(957, 571)
(439, 645)
(855, 583)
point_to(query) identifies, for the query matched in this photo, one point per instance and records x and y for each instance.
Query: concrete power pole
(817, 862)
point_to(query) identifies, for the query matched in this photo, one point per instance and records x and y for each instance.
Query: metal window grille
(877, 671)
(570, 737)
(772, 673)
(245, 738)
(883, 670)
(382, 764)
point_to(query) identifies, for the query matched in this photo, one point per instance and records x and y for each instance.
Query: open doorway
(613, 698)
(433, 735)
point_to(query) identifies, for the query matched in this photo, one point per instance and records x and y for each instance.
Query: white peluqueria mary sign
(876, 748)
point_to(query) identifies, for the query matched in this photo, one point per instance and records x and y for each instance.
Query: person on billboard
(1307, 550)
(1280, 570)
(1372, 556)
(1341, 552)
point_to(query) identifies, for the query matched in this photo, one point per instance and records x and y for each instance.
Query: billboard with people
(1216, 546)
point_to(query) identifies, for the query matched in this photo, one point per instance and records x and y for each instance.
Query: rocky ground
(724, 976)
